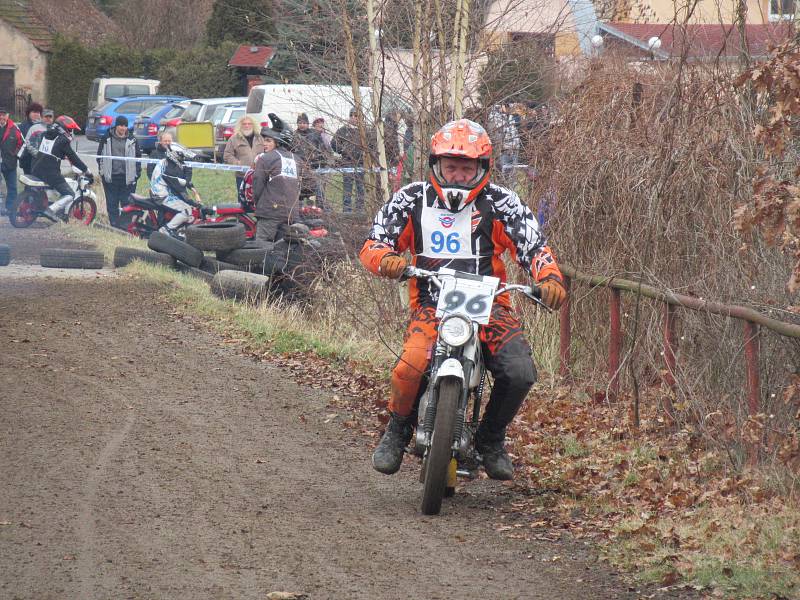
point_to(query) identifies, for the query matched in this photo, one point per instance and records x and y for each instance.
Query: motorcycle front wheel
(441, 450)
(83, 210)
(24, 211)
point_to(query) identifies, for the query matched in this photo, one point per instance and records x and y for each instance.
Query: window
(133, 107)
(156, 104)
(137, 90)
(256, 101)
(191, 112)
(152, 110)
(114, 91)
(781, 9)
(174, 112)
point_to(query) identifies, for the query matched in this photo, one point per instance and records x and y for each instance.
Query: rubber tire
(441, 450)
(237, 285)
(212, 265)
(5, 255)
(188, 255)
(249, 258)
(59, 258)
(32, 199)
(125, 256)
(216, 236)
(199, 273)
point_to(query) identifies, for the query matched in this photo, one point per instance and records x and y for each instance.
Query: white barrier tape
(219, 167)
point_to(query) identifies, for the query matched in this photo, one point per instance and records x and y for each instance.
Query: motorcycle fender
(450, 368)
(132, 208)
(90, 194)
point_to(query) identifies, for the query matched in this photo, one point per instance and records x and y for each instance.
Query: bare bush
(650, 161)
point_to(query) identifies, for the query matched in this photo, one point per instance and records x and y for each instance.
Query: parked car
(103, 117)
(224, 120)
(145, 127)
(199, 110)
(106, 88)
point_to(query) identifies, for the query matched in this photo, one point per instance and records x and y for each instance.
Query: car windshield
(104, 106)
(192, 111)
(175, 112)
(152, 111)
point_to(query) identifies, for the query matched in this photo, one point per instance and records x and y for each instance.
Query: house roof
(19, 15)
(701, 41)
(41, 20)
(251, 56)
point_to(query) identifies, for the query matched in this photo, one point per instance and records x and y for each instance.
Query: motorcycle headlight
(455, 330)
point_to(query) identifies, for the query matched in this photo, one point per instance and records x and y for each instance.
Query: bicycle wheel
(83, 210)
(23, 213)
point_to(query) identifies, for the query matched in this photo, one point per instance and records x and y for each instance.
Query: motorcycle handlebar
(534, 292)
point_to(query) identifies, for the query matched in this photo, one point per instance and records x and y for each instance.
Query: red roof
(251, 56)
(708, 41)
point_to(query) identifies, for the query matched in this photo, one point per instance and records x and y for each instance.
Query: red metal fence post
(669, 357)
(614, 343)
(753, 384)
(565, 332)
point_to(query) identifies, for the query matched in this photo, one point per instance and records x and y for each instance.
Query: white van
(106, 88)
(331, 102)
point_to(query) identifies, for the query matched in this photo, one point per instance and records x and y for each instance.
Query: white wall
(16, 50)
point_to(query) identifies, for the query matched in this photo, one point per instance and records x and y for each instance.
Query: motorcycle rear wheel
(441, 450)
(24, 211)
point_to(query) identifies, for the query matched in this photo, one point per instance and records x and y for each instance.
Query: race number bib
(46, 146)
(471, 297)
(446, 234)
(288, 167)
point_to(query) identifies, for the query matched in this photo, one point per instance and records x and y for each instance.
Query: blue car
(145, 127)
(102, 118)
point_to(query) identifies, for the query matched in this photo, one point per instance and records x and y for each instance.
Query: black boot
(389, 454)
(496, 461)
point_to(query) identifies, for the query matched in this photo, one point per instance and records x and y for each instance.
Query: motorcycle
(146, 214)
(38, 195)
(447, 421)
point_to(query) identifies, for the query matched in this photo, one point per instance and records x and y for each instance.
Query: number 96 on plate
(470, 298)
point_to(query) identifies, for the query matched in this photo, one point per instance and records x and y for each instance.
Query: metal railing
(752, 320)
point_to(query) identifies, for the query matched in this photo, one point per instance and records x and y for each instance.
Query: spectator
(159, 152)
(10, 143)
(119, 176)
(347, 142)
(391, 134)
(33, 115)
(48, 116)
(243, 147)
(321, 140)
(304, 150)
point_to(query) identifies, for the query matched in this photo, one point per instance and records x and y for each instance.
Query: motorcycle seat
(32, 181)
(228, 206)
(139, 198)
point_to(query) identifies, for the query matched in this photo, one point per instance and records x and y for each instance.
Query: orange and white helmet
(460, 139)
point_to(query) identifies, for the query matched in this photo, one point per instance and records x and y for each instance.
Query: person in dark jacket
(347, 142)
(10, 143)
(33, 115)
(119, 176)
(276, 187)
(56, 145)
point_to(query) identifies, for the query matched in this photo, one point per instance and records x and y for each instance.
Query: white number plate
(468, 297)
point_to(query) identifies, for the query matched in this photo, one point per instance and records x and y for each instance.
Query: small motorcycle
(447, 420)
(146, 214)
(38, 195)
(309, 215)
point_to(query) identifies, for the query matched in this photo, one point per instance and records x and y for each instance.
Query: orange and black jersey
(471, 240)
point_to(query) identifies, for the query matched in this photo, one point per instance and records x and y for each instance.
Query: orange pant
(506, 352)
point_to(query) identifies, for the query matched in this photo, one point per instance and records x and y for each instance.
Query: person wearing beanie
(119, 176)
(303, 150)
(33, 116)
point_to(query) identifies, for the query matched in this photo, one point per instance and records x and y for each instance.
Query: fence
(752, 320)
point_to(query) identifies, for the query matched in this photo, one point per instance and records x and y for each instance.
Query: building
(27, 32)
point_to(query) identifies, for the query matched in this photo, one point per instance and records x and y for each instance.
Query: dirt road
(142, 457)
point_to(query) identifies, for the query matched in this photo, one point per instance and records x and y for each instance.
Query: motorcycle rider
(170, 181)
(457, 219)
(56, 144)
(276, 188)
